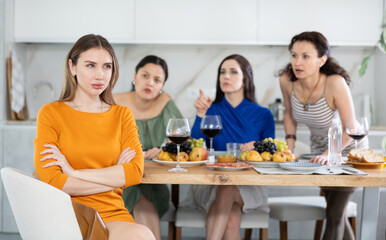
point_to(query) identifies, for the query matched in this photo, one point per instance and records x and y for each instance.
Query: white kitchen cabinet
(17, 152)
(199, 21)
(343, 22)
(65, 21)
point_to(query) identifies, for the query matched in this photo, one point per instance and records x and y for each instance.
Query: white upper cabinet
(66, 21)
(198, 21)
(342, 22)
(271, 22)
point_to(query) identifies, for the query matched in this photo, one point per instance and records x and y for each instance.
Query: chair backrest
(41, 211)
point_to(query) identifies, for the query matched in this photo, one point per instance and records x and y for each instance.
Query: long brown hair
(322, 46)
(70, 82)
(249, 87)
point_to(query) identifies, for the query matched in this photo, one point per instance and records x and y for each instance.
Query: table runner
(323, 171)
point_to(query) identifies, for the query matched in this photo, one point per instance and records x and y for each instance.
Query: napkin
(323, 170)
(18, 84)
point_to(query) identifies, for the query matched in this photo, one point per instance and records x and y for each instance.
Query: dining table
(156, 173)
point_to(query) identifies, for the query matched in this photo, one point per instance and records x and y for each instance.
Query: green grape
(275, 141)
(192, 141)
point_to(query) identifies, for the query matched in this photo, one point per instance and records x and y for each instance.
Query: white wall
(190, 67)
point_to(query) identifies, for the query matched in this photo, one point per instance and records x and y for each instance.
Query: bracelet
(290, 136)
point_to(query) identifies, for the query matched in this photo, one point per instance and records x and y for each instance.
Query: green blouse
(152, 133)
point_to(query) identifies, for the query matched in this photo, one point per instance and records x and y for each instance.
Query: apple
(198, 154)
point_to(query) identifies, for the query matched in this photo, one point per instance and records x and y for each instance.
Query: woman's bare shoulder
(122, 98)
(335, 82)
(285, 82)
(163, 99)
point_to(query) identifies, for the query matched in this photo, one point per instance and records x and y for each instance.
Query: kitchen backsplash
(190, 68)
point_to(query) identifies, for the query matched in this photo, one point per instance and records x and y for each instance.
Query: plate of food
(366, 165)
(300, 166)
(229, 166)
(365, 158)
(182, 164)
(261, 157)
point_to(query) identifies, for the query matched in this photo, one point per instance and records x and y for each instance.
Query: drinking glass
(211, 126)
(234, 149)
(357, 129)
(178, 131)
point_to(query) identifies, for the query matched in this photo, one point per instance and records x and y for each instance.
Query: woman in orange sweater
(85, 144)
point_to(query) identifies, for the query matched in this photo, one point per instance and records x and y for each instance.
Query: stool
(304, 208)
(192, 217)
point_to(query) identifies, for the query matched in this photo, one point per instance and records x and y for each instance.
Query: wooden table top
(158, 174)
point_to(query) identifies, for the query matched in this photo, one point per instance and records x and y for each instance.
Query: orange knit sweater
(89, 141)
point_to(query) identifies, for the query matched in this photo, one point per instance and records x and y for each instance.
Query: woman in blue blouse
(244, 121)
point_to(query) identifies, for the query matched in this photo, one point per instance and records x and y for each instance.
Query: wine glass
(211, 126)
(357, 129)
(178, 131)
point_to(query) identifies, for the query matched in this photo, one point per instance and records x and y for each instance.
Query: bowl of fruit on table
(192, 153)
(268, 152)
(226, 158)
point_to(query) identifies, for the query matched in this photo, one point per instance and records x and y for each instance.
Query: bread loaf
(365, 156)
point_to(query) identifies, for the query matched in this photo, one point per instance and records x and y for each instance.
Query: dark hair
(154, 60)
(83, 44)
(249, 87)
(321, 45)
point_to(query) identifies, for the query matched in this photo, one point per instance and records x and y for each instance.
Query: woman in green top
(152, 109)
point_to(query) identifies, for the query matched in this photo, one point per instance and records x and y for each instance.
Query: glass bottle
(335, 143)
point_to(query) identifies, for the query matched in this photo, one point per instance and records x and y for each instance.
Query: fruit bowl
(222, 159)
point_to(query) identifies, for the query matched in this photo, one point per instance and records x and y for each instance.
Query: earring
(160, 91)
(133, 82)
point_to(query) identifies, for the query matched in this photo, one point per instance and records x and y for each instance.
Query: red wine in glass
(357, 137)
(178, 131)
(210, 133)
(211, 126)
(178, 139)
(357, 129)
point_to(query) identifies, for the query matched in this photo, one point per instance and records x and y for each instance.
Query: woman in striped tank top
(315, 91)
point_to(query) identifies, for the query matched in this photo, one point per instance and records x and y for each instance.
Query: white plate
(300, 166)
(265, 164)
(308, 156)
(182, 164)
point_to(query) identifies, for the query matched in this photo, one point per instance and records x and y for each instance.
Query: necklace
(306, 104)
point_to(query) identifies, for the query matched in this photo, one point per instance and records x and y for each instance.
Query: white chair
(43, 212)
(304, 208)
(192, 217)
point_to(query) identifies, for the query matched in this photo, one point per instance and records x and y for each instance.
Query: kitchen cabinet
(17, 153)
(344, 22)
(200, 21)
(66, 21)
(222, 22)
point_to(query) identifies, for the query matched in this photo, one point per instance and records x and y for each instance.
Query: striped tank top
(318, 119)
